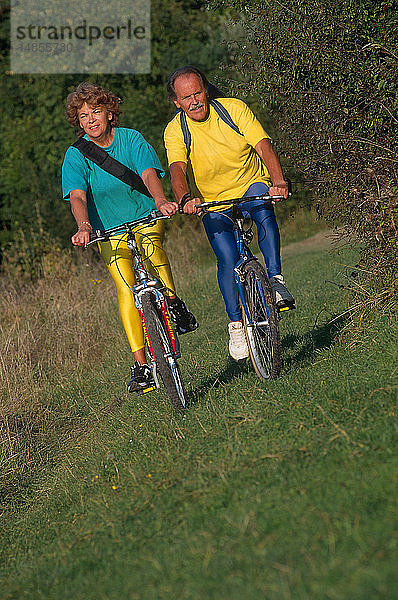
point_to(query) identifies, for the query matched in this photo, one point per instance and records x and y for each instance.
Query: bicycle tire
(263, 337)
(166, 362)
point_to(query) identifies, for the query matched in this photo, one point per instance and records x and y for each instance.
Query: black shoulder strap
(100, 157)
(185, 132)
(222, 113)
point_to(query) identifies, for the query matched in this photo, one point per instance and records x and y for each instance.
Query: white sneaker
(283, 297)
(237, 341)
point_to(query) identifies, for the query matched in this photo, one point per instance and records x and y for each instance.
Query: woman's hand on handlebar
(168, 209)
(81, 237)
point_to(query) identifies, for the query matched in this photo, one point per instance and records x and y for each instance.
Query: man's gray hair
(188, 70)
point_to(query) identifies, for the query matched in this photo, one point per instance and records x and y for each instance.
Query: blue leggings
(219, 230)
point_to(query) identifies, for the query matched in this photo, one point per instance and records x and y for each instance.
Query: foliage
(32, 254)
(327, 72)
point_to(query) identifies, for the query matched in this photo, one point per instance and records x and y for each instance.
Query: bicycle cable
(123, 238)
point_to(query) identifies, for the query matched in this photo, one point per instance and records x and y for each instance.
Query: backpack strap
(222, 113)
(185, 132)
(102, 159)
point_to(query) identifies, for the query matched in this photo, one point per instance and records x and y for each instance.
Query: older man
(224, 152)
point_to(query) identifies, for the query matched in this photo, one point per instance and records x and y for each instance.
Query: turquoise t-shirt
(111, 202)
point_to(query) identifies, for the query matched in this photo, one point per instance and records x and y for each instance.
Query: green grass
(281, 490)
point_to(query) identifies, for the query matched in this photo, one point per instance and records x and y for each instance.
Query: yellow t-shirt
(224, 164)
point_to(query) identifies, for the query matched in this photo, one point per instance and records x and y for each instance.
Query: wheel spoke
(166, 361)
(263, 329)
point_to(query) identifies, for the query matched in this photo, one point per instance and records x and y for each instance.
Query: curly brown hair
(94, 95)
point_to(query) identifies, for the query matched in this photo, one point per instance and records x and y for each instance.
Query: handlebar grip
(156, 214)
(96, 236)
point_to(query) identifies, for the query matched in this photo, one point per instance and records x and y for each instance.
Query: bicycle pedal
(148, 389)
(286, 308)
(139, 390)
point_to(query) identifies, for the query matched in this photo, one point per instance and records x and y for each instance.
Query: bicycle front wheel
(261, 322)
(164, 354)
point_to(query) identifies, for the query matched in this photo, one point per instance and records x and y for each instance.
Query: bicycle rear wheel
(165, 359)
(261, 324)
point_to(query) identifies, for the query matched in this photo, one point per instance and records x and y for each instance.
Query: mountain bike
(161, 339)
(260, 315)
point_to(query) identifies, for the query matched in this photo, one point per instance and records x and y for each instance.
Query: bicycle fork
(139, 289)
(245, 257)
(239, 278)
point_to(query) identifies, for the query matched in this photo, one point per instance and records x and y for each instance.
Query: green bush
(326, 73)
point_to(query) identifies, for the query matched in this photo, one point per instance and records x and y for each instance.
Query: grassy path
(285, 490)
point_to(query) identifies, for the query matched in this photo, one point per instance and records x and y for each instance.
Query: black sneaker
(182, 317)
(283, 298)
(142, 380)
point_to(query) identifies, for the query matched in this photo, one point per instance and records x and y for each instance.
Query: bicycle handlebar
(234, 201)
(154, 215)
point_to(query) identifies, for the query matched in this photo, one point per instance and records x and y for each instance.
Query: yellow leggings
(119, 263)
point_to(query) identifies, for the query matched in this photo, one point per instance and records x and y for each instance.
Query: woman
(101, 201)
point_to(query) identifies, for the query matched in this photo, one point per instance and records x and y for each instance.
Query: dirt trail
(323, 240)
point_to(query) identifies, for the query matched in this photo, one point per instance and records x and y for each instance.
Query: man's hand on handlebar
(190, 207)
(279, 188)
